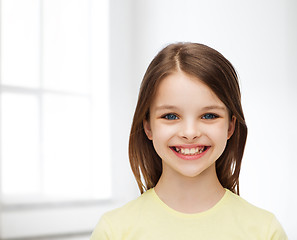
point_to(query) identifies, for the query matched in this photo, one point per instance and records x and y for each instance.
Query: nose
(190, 130)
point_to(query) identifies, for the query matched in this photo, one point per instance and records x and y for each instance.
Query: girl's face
(189, 125)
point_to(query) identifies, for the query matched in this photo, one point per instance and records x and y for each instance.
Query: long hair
(213, 69)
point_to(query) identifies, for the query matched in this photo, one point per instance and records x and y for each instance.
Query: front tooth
(192, 151)
(187, 151)
(182, 150)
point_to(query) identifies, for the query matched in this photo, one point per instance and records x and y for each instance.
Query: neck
(190, 194)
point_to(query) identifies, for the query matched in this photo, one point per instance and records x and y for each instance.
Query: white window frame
(25, 220)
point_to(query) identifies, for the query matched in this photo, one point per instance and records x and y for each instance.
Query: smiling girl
(186, 143)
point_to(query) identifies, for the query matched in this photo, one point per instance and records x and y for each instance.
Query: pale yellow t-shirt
(147, 217)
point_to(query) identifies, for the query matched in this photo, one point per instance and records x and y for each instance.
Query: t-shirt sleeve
(102, 231)
(276, 232)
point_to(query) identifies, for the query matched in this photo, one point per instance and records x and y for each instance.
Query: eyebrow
(166, 107)
(214, 107)
(207, 108)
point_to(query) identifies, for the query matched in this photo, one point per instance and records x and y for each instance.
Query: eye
(170, 116)
(209, 116)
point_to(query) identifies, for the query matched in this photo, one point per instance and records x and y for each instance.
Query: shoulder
(115, 223)
(254, 218)
(132, 208)
(242, 206)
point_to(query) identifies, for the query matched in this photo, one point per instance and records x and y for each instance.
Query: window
(54, 112)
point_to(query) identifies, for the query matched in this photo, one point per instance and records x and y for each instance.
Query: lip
(189, 146)
(190, 157)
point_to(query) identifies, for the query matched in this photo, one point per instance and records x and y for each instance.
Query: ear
(147, 129)
(231, 127)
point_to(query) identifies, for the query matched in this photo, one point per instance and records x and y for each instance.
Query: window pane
(20, 42)
(66, 45)
(67, 160)
(100, 99)
(53, 144)
(20, 144)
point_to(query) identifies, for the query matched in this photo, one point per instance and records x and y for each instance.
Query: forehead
(184, 90)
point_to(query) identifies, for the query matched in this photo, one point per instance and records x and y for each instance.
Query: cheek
(162, 131)
(219, 134)
(162, 134)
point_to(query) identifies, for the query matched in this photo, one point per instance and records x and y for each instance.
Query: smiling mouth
(190, 151)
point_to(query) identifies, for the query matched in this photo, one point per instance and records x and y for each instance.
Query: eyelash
(213, 116)
(173, 116)
(166, 116)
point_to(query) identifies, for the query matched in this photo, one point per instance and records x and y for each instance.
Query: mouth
(190, 151)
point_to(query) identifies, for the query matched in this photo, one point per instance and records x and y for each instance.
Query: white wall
(122, 97)
(259, 38)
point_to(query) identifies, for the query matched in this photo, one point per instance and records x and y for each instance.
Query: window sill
(28, 221)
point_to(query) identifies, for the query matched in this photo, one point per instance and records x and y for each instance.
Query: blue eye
(209, 116)
(170, 116)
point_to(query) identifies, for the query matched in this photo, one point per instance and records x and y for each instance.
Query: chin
(193, 172)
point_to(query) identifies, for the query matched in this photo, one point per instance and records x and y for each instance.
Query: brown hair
(218, 74)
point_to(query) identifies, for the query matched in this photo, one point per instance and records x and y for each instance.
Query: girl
(186, 143)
